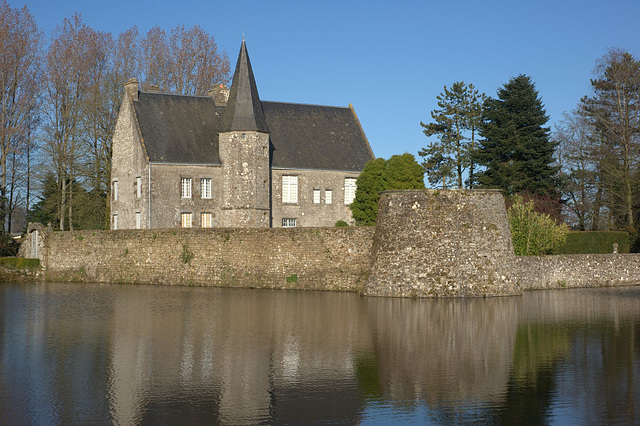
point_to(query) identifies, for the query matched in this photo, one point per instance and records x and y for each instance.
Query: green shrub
(293, 278)
(187, 255)
(579, 242)
(341, 224)
(19, 263)
(8, 246)
(534, 233)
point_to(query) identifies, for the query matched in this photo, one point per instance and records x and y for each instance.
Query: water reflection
(148, 355)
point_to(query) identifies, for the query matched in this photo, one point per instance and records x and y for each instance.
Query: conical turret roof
(244, 109)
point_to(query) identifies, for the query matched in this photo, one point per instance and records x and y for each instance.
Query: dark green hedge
(579, 242)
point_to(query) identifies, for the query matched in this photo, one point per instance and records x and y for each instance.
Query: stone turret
(244, 152)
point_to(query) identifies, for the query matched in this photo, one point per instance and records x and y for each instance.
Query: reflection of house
(230, 159)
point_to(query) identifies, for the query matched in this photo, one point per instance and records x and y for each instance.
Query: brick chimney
(131, 89)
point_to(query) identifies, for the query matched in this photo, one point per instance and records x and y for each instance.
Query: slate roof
(244, 111)
(316, 137)
(178, 129)
(184, 129)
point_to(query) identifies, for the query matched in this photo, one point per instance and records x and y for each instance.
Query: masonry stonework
(442, 243)
(310, 259)
(426, 244)
(307, 212)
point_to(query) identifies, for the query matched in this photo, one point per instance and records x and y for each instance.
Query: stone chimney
(220, 95)
(131, 89)
(154, 88)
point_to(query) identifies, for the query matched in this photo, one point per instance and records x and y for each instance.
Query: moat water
(121, 354)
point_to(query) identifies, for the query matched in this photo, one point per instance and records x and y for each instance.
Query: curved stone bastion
(432, 243)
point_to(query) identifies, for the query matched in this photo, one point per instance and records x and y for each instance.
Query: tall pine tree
(515, 150)
(454, 124)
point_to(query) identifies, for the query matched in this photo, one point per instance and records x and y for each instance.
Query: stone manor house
(231, 160)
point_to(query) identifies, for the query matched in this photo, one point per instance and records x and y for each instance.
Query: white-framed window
(114, 221)
(316, 196)
(138, 220)
(185, 188)
(205, 187)
(114, 190)
(185, 220)
(206, 220)
(288, 222)
(349, 190)
(138, 187)
(289, 189)
(328, 196)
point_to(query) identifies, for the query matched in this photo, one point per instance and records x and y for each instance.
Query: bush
(534, 233)
(8, 246)
(341, 224)
(19, 263)
(579, 242)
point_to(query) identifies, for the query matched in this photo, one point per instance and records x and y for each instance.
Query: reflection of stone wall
(237, 357)
(442, 243)
(445, 350)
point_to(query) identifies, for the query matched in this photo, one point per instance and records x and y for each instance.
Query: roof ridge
(305, 104)
(176, 94)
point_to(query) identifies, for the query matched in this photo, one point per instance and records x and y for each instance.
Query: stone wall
(442, 244)
(305, 211)
(577, 270)
(128, 163)
(166, 202)
(426, 244)
(312, 259)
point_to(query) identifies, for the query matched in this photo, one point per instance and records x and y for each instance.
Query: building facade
(231, 160)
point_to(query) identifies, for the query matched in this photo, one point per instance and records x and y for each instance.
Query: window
(138, 187)
(328, 195)
(316, 196)
(289, 189)
(138, 220)
(114, 220)
(115, 190)
(185, 220)
(205, 220)
(185, 188)
(205, 187)
(288, 223)
(349, 190)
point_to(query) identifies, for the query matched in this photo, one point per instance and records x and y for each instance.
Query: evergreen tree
(515, 149)
(398, 172)
(455, 124)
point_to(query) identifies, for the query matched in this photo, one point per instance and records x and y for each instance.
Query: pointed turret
(244, 109)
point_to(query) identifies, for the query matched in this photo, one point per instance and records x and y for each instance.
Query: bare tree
(187, 62)
(20, 41)
(576, 153)
(614, 110)
(72, 59)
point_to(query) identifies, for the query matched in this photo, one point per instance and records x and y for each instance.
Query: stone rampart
(442, 244)
(577, 270)
(311, 258)
(427, 244)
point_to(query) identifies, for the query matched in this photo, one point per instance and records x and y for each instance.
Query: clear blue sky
(389, 60)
